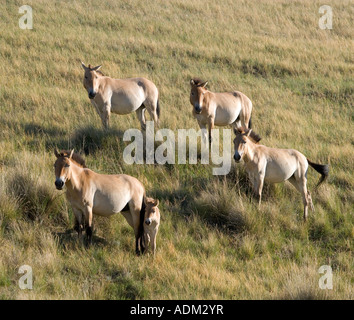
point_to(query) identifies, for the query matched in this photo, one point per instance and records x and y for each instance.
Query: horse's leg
(252, 181)
(106, 114)
(258, 187)
(241, 119)
(152, 109)
(147, 241)
(203, 127)
(248, 117)
(245, 114)
(210, 127)
(245, 120)
(300, 184)
(237, 123)
(305, 201)
(141, 116)
(309, 199)
(134, 207)
(127, 215)
(153, 241)
(152, 105)
(88, 220)
(78, 227)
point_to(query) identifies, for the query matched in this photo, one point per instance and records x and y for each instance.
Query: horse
(121, 96)
(152, 223)
(91, 193)
(219, 109)
(275, 165)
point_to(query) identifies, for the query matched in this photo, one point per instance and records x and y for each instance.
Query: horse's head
(242, 140)
(91, 79)
(62, 167)
(152, 212)
(198, 89)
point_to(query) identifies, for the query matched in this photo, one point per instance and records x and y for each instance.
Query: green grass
(213, 243)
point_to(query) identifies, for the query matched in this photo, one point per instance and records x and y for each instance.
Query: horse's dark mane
(98, 71)
(76, 157)
(254, 136)
(101, 73)
(198, 81)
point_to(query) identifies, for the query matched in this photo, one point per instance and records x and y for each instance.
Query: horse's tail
(158, 109)
(323, 169)
(141, 226)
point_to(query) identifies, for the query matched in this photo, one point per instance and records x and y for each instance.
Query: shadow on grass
(37, 203)
(89, 140)
(218, 204)
(181, 197)
(33, 129)
(69, 239)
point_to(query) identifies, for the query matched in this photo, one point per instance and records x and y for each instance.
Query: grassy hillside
(213, 243)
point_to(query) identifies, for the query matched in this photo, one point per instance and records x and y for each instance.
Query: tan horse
(121, 96)
(275, 165)
(219, 109)
(152, 223)
(91, 193)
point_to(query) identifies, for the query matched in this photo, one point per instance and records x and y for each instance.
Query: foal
(152, 223)
(275, 165)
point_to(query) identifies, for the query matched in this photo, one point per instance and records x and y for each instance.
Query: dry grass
(213, 243)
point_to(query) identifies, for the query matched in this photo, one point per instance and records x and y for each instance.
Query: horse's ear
(83, 65)
(192, 83)
(249, 132)
(156, 202)
(96, 68)
(204, 84)
(71, 153)
(57, 154)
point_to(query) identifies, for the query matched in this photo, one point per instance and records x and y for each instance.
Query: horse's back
(121, 181)
(134, 183)
(139, 83)
(144, 82)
